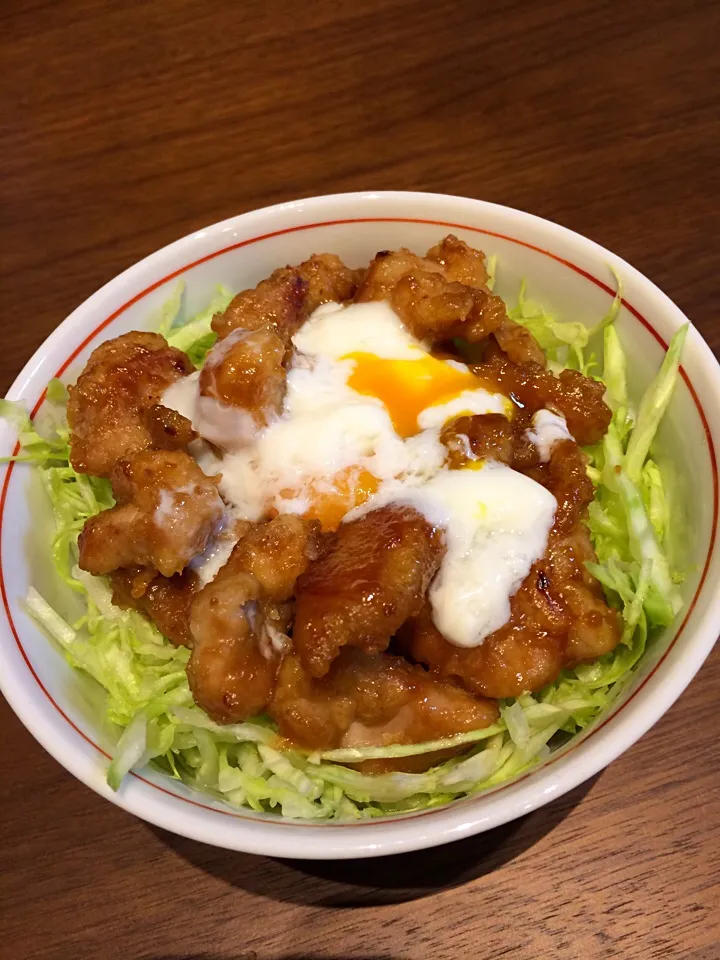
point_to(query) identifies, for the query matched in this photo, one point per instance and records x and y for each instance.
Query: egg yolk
(331, 499)
(407, 387)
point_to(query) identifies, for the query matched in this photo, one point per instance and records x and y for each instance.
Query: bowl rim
(310, 840)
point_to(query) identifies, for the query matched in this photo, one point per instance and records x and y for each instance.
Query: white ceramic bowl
(565, 271)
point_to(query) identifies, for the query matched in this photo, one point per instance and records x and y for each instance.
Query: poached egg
(360, 429)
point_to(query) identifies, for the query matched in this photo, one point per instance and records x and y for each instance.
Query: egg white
(496, 521)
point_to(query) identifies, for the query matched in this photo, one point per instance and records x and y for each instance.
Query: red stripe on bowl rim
(313, 226)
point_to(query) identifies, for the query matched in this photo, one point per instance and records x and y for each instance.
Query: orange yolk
(331, 499)
(407, 387)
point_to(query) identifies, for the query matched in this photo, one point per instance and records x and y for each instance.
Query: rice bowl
(283, 234)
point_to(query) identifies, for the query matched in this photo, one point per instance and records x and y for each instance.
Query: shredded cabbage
(246, 765)
(194, 337)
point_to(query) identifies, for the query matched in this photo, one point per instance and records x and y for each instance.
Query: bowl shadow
(382, 880)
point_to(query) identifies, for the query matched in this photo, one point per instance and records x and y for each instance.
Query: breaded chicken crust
(239, 621)
(166, 511)
(373, 700)
(287, 298)
(558, 617)
(112, 409)
(363, 588)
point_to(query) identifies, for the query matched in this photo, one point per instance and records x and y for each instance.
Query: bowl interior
(570, 276)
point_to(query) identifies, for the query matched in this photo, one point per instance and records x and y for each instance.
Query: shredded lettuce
(169, 313)
(653, 406)
(491, 271)
(564, 342)
(147, 697)
(628, 519)
(195, 337)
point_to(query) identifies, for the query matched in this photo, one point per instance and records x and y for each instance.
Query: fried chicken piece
(278, 552)
(558, 617)
(372, 700)
(518, 344)
(239, 621)
(121, 385)
(164, 600)
(595, 628)
(460, 262)
(275, 554)
(285, 300)
(166, 511)
(511, 661)
(489, 436)
(443, 296)
(466, 265)
(387, 268)
(279, 302)
(309, 712)
(436, 309)
(577, 398)
(328, 280)
(525, 454)
(230, 672)
(244, 374)
(169, 430)
(370, 580)
(431, 306)
(565, 475)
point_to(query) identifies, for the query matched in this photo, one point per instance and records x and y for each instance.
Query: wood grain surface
(126, 125)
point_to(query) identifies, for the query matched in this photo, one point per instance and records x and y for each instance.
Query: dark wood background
(126, 125)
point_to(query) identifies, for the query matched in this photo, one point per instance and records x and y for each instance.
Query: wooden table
(126, 125)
